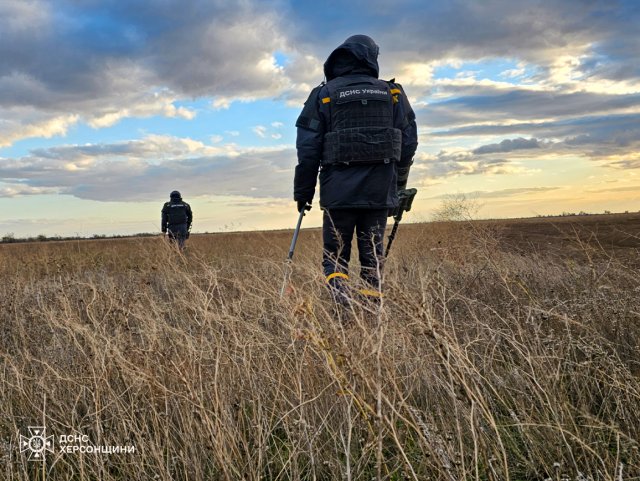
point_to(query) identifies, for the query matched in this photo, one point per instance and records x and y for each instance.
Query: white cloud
(13, 190)
(146, 169)
(226, 51)
(217, 50)
(514, 72)
(19, 123)
(579, 86)
(260, 131)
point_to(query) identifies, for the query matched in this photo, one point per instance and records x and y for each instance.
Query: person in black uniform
(176, 219)
(360, 133)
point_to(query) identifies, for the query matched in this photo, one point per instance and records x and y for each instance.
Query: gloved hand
(392, 211)
(303, 204)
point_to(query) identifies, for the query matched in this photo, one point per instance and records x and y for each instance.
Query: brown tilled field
(504, 350)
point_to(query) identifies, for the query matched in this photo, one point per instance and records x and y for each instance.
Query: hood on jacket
(357, 55)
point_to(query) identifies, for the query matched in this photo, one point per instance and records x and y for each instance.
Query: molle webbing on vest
(370, 145)
(177, 214)
(360, 105)
(361, 123)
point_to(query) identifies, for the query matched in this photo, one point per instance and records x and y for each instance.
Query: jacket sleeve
(309, 140)
(404, 119)
(164, 219)
(189, 216)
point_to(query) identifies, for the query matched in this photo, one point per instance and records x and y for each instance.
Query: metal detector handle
(405, 201)
(297, 231)
(391, 237)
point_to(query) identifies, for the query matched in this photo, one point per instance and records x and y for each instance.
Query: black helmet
(175, 195)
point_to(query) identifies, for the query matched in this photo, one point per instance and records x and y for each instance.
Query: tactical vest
(361, 125)
(177, 213)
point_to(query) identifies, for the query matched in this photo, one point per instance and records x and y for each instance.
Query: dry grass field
(502, 351)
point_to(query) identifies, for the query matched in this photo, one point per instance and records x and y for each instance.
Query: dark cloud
(508, 145)
(99, 62)
(626, 164)
(448, 164)
(604, 138)
(96, 62)
(113, 48)
(533, 31)
(471, 104)
(199, 48)
(607, 125)
(616, 53)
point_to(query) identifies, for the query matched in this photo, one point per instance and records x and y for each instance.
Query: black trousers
(178, 234)
(337, 233)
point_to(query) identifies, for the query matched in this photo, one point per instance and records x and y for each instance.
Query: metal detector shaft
(391, 237)
(295, 235)
(289, 261)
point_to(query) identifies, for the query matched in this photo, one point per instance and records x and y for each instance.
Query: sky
(526, 107)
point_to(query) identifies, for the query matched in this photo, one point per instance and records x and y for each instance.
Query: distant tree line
(453, 210)
(10, 238)
(581, 213)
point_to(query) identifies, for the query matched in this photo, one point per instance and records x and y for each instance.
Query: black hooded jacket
(175, 212)
(353, 185)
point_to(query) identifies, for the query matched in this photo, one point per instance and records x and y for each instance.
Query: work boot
(339, 291)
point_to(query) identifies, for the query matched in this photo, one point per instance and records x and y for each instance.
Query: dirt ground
(612, 231)
(604, 234)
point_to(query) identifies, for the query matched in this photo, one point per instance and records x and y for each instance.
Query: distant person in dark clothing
(360, 133)
(176, 219)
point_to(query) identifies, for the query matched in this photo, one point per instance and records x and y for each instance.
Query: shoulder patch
(348, 94)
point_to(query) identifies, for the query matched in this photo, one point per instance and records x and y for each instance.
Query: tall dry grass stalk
(482, 364)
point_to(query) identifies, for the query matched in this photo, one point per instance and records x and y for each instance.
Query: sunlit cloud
(90, 94)
(148, 168)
